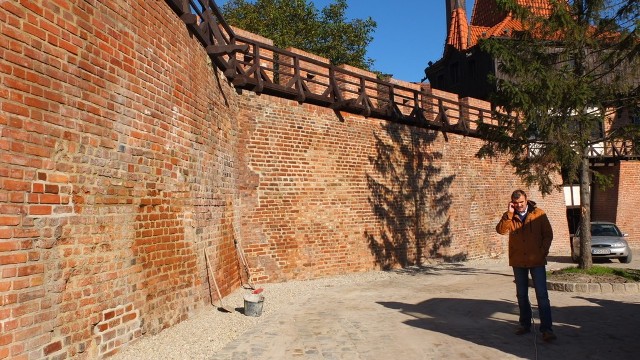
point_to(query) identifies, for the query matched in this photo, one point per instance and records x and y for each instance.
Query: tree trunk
(585, 261)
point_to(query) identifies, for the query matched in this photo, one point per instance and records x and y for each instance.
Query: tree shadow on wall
(411, 199)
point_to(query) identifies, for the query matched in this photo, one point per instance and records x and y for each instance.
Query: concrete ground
(453, 311)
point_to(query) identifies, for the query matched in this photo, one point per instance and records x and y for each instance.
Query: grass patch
(631, 274)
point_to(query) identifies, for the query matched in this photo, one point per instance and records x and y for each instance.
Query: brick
(58, 178)
(8, 272)
(24, 309)
(52, 347)
(52, 189)
(5, 314)
(30, 270)
(8, 299)
(15, 185)
(40, 210)
(129, 317)
(37, 188)
(10, 209)
(7, 220)
(50, 199)
(31, 295)
(6, 339)
(9, 246)
(13, 259)
(26, 233)
(10, 325)
(109, 315)
(15, 109)
(33, 102)
(19, 284)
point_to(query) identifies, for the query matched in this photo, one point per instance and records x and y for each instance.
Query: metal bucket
(253, 304)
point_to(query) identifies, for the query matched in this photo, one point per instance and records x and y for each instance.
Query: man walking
(530, 236)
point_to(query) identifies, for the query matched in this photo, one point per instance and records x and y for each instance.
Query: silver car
(607, 242)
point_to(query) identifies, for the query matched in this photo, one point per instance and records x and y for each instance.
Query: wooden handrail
(264, 68)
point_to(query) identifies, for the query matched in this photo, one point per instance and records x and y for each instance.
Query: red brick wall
(125, 155)
(327, 194)
(604, 202)
(628, 197)
(117, 149)
(616, 203)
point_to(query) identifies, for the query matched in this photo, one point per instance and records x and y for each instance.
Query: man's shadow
(601, 329)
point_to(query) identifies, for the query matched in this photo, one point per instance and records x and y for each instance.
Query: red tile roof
(539, 7)
(487, 21)
(459, 31)
(486, 13)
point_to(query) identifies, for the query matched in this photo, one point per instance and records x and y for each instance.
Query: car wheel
(626, 259)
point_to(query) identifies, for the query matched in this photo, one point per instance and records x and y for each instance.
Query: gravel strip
(209, 330)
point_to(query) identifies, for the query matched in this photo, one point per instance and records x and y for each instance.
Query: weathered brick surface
(614, 203)
(125, 155)
(117, 151)
(604, 200)
(627, 198)
(324, 196)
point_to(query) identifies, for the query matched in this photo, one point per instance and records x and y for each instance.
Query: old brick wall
(604, 201)
(616, 203)
(326, 194)
(125, 155)
(627, 201)
(117, 155)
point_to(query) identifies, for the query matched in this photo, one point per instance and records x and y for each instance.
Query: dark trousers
(539, 277)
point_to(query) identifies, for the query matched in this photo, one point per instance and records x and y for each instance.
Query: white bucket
(253, 304)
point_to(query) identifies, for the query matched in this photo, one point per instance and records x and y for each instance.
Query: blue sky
(410, 33)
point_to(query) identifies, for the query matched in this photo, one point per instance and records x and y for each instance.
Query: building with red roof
(464, 68)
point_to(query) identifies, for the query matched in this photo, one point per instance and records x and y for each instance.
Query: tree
(297, 23)
(559, 80)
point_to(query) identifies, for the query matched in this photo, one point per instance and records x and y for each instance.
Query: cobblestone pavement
(456, 311)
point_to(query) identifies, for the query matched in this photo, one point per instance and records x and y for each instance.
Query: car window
(604, 230)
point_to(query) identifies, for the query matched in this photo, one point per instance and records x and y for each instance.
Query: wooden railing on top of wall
(263, 68)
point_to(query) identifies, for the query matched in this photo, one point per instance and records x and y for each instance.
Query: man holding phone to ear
(530, 236)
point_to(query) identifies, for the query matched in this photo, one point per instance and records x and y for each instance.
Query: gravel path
(210, 330)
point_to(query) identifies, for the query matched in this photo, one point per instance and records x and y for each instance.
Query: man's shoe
(521, 330)
(548, 336)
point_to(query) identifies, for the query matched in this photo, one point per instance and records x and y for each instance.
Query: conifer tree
(572, 70)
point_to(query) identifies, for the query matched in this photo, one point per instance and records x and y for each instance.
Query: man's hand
(510, 207)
